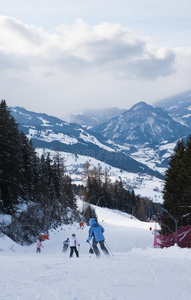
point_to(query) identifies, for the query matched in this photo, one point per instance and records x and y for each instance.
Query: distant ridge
(52, 133)
(143, 124)
(139, 140)
(93, 117)
(178, 106)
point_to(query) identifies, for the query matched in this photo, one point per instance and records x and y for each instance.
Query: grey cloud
(135, 62)
(26, 32)
(8, 61)
(122, 54)
(48, 74)
(108, 50)
(104, 48)
(154, 67)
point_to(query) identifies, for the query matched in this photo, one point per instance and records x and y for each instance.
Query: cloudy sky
(63, 56)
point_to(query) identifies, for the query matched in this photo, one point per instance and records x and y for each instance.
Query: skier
(81, 225)
(39, 244)
(73, 244)
(65, 245)
(96, 231)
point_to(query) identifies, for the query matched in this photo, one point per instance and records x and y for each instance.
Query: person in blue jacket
(96, 231)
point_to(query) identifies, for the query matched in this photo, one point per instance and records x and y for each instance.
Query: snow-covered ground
(135, 270)
(143, 185)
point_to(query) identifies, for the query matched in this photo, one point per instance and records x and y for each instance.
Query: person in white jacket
(73, 245)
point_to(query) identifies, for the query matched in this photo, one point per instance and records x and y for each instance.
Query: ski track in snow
(135, 270)
(122, 276)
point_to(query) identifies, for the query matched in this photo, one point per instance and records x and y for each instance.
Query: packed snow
(134, 270)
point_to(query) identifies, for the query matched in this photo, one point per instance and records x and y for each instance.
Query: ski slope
(135, 270)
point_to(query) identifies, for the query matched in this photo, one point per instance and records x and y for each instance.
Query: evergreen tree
(111, 195)
(177, 188)
(42, 183)
(184, 209)
(29, 168)
(174, 179)
(10, 159)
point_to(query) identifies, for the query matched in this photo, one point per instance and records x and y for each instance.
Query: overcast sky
(63, 56)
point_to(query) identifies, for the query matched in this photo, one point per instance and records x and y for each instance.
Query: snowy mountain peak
(142, 124)
(140, 106)
(26, 117)
(178, 107)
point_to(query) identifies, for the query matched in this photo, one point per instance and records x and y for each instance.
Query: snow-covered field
(143, 185)
(135, 270)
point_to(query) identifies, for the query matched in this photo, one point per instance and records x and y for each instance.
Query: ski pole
(89, 244)
(109, 249)
(91, 248)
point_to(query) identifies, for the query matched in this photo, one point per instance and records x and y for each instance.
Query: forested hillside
(36, 193)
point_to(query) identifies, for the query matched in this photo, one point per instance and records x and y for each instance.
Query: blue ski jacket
(95, 231)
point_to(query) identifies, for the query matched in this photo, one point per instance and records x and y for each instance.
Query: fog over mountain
(92, 117)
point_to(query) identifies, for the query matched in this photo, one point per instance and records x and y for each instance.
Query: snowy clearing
(135, 270)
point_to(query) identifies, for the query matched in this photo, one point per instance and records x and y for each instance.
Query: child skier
(39, 245)
(65, 245)
(73, 244)
(96, 231)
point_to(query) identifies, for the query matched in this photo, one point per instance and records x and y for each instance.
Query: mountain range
(48, 132)
(178, 106)
(142, 124)
(138, 140)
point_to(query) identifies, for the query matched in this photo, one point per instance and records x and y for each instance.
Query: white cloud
(107, 46)
(84, 66)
